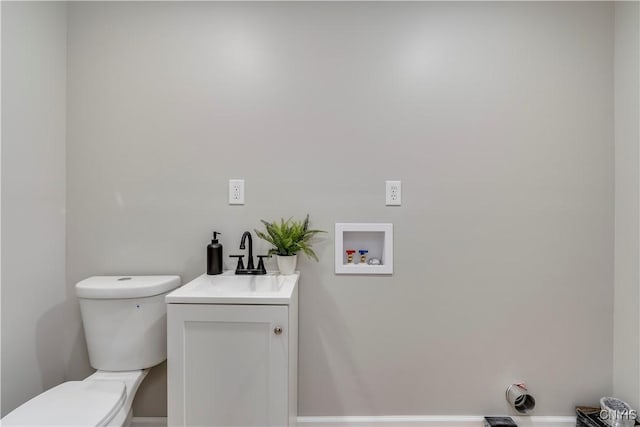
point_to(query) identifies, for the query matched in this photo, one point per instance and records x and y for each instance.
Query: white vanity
(232, 354)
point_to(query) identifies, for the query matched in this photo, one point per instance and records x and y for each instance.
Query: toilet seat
(73, 403)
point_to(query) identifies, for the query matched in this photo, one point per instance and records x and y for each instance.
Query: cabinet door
(227, 365)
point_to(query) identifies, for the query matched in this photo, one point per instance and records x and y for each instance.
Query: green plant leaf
(289, 236)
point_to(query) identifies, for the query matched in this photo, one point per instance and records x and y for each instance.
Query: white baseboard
(399, 421)
(428, 421)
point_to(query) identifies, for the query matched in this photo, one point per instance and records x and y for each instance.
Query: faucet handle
(240, 265)
(261, 263)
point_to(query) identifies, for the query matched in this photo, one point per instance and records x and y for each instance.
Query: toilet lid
(74, 403)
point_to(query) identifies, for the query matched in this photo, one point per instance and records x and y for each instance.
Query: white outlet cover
(393, 193)
(236, 191)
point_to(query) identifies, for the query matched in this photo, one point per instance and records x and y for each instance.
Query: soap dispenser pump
(214, 256)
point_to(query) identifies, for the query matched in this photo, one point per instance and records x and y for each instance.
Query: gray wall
(626, 367)
(498, 118)
(36, 326)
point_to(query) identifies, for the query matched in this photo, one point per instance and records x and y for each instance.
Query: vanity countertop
(228, 288)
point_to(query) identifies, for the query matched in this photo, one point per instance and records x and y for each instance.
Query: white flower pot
(287, 263)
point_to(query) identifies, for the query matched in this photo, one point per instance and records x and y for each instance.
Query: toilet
(125, 325)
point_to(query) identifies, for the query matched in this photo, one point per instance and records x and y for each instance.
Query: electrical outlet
(236, 191)
(394, 193)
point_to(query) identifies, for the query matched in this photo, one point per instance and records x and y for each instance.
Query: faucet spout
(246, 235)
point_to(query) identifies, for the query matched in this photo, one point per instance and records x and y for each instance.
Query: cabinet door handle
(277, 330)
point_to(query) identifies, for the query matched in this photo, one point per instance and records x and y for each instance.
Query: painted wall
(497, 117)
(626, 367)
(36, 321)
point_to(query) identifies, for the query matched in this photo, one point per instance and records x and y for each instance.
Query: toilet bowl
(125, 325)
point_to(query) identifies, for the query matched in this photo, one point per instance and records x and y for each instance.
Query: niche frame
(375, 237)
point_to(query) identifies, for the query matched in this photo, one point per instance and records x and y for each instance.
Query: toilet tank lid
(123, 287)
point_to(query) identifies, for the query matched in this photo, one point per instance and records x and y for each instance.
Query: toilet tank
(125, 320)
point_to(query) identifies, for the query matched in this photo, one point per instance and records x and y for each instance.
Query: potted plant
(288, 238)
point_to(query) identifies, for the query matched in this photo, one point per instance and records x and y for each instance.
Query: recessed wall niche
(352, 239)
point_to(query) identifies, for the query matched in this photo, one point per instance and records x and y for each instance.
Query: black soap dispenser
(214, 256)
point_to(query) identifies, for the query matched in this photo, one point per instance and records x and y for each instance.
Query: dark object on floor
(588, 416)
(499, 422)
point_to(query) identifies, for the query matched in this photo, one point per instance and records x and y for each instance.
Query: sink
(227, 288)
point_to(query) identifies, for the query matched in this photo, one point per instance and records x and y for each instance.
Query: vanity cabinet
(232, 352)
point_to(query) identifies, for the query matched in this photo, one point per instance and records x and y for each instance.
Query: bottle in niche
(214, 256)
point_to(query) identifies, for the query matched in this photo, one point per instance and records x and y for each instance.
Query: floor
(149, 422)
(386, 422)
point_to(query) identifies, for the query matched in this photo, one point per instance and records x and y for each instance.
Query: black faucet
(250, 253)
(250, 269)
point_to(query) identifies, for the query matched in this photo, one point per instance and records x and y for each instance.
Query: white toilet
(125, 325)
